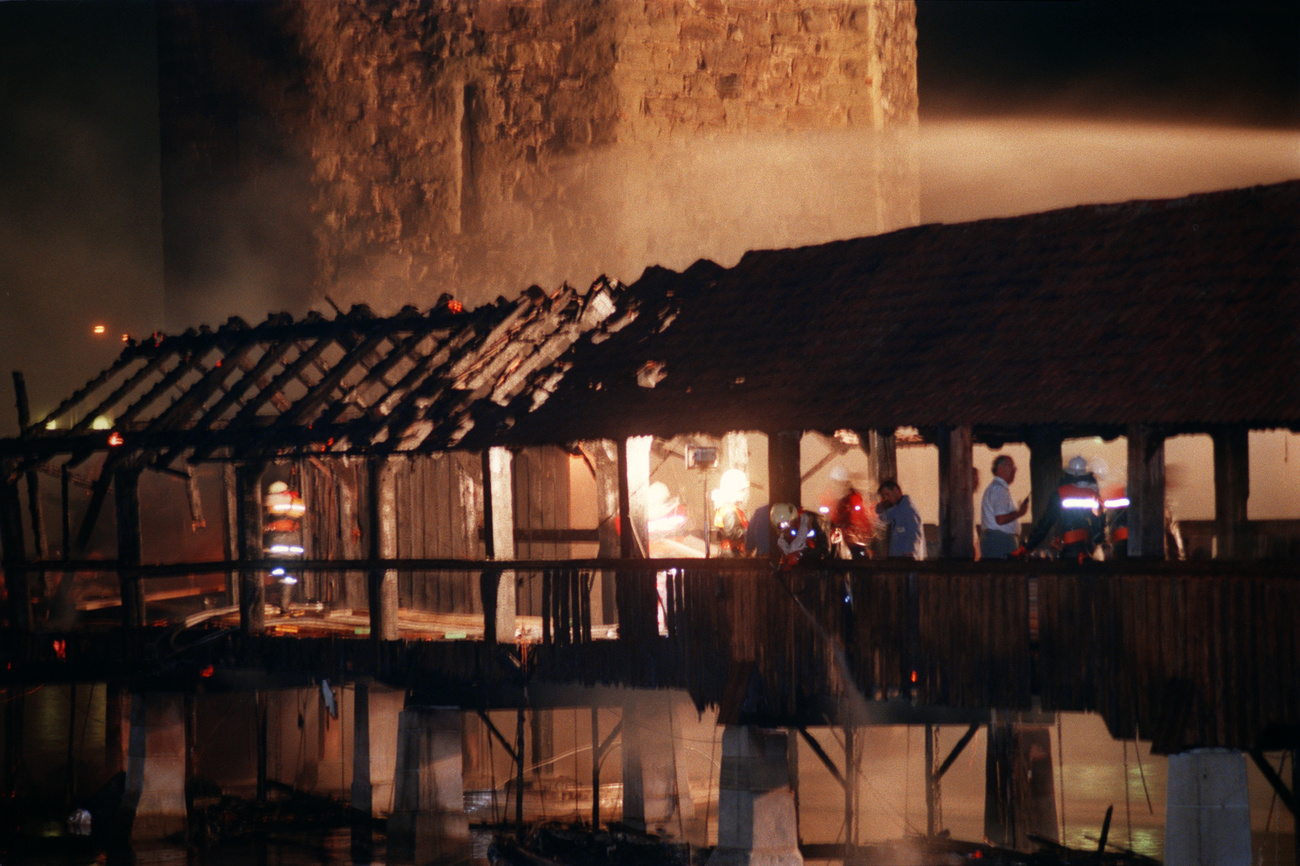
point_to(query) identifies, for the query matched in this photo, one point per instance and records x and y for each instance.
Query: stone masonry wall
(477, 147)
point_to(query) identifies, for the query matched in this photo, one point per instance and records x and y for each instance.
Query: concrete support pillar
(956, 493)
(155, 767)
(1146, 492)
(1207, 815)
(757, 821)
(633, 488)
(428, 823)
(656, 791)
(498, 587)
(1231, 491)
(375, 711)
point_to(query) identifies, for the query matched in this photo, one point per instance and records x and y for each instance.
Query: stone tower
(391, 151)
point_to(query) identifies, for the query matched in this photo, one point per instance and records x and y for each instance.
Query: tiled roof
(1183, 313)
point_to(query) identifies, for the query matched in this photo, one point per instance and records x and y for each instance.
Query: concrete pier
(155, 767)
(1207, 815)
(757, 821)
(428, 823)
(656, 791)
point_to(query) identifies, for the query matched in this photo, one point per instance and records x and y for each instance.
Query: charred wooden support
(17, 582)
(1019, 795)
(428, 823)
(956, 494)
(248, 519)
(1146, 491)
(1231, 490)
(1207, 816)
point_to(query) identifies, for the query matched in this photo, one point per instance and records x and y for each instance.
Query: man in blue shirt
(902, 522)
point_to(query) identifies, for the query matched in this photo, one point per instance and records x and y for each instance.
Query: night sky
(80, 222)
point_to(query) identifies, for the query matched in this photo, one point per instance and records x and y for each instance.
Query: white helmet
(1076, 466)
(782, 513)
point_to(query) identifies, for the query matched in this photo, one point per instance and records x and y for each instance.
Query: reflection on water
(61, 763)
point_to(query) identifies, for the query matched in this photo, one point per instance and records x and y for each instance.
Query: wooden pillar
(230, 489)
(15, 554)
(605, 465)
(783, 469)
(248, 519)
(1231, 490)
(498, 587)
(1044, 468)
(633, 483)
(1146, 492)
(882, 455)
(126, 498)
(353, 583)
(956, 493)
(382, 585)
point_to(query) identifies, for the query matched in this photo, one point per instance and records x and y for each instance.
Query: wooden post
(230, 488)
(382, 586)
(882, 455)
(633, 481)
(605, 465)
(248, 520)
(956, 496)
(15, 554)
(783, 469)
(498, 587)
(1231, 490)
(1146, 492)
(126, 497)
(1044, 467)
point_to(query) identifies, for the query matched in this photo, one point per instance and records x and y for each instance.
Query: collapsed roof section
(1183, 313)
(354, 384)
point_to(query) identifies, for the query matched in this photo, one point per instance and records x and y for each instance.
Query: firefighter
(1075, 513)
(852, 523)
(729, 521)
(799, 535)
(1117, 523)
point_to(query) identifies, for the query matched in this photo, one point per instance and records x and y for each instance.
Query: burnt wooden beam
(1231, 490)
(956, 493)
(957, 750)
(122, 390)
(822, 756)
(1146, 491)
(253, 374)
(1285, 794)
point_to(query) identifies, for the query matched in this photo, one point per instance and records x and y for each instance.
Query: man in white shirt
(999, 515)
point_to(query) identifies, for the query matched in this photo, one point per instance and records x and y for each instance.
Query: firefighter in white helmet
(1073, 515)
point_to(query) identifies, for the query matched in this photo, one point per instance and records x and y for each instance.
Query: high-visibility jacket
(1073, 517)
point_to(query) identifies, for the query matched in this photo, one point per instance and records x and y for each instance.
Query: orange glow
(99, 329)
(115, 439)
(454, 305)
